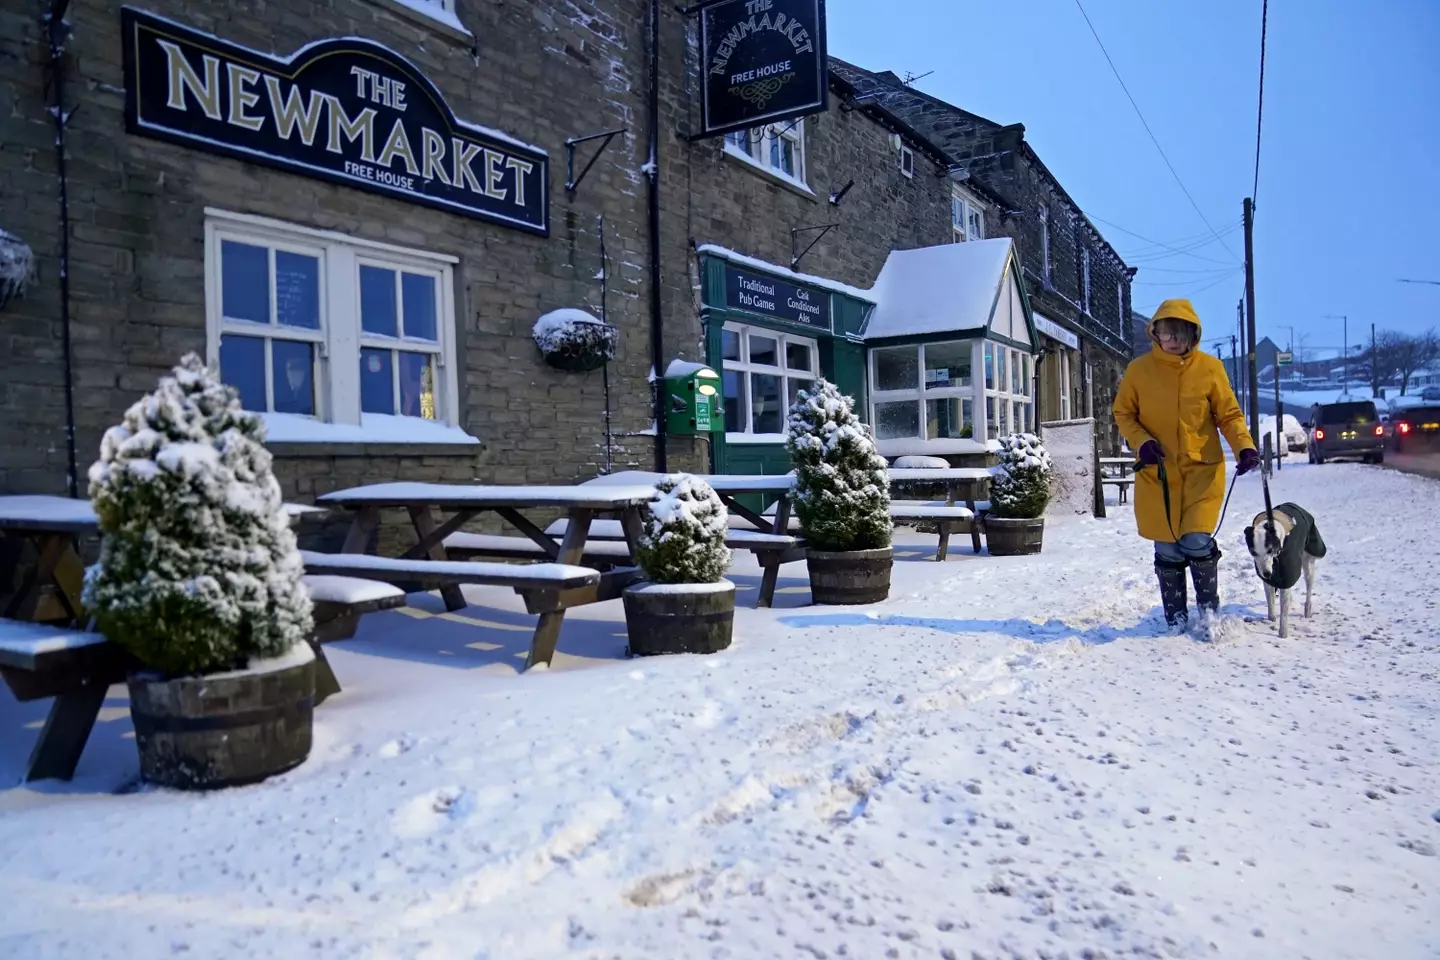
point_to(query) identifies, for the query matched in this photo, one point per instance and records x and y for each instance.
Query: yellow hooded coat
(1184, 403)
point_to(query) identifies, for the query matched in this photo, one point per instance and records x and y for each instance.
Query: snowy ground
(1004, 760)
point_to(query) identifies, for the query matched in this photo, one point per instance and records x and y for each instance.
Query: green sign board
(1284, 359)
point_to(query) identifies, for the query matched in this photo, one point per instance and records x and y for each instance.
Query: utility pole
(1249, 211)
(1374, 370)
(1344, 344)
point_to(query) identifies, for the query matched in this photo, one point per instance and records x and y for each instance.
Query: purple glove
(1248, 460)
(1150, 453)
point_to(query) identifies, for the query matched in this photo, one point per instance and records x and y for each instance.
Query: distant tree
(1414, 353)
(1379, 362)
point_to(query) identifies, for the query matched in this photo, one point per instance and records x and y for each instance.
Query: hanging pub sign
(346, 110)
(769, 297)
(764, 62)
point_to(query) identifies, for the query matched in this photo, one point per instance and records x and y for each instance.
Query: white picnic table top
(1125, 460)
(939, 474)
(719, 482)
(459, 496)
(50, 514)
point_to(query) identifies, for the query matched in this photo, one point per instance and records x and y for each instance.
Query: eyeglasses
(1172, 330)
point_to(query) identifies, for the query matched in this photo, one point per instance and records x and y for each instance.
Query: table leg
(631, 523)
(770, 563)
(782, 514)
(943, 547)
(974, 523)
(326, 685)
(572, 548)
(424, 523)
(362, 527)
(62, 741)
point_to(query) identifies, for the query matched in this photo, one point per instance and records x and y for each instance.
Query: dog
(1285, 544)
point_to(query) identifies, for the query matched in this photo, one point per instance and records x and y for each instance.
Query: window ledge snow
(788, 182)
(431, 15)
(373, 428)
(743, 438)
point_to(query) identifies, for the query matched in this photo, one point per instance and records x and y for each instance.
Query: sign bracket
(824, 228)
(572, 182)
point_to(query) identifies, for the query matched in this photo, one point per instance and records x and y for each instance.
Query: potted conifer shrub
(199, 580)
(1021, 485)
(685, 604)
(841, 496)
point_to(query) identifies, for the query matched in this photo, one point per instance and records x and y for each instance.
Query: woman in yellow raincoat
(1172, 406)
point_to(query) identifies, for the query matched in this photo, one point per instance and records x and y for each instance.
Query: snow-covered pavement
(1006, 759)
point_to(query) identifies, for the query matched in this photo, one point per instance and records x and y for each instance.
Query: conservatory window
(1009, 400)
(762, 372)
(777, 148)
(924, 391)
(318, 325)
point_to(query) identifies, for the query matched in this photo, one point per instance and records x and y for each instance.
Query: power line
(1260, 109)
(1166, 245)
(1146, 125)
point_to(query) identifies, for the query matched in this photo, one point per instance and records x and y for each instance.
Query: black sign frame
(435, 159)
(779, 303)
(751, 35)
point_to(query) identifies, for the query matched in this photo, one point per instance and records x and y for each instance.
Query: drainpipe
(57, 33)
(657, 347)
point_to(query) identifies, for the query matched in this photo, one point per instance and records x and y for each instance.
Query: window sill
(915, 447)
(745, 438)
(796, 187)
(405, 433)
(441, 21)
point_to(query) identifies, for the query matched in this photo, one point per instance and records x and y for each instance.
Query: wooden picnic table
(52, 525)
(1115, 473)
(463, 503)
(969, 484)
(727, 486)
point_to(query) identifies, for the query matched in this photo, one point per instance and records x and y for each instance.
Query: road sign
(1284, 359)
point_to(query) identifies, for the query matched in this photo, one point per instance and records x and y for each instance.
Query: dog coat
(1302, 536)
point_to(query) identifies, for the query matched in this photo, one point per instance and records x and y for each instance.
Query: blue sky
(1349, 194)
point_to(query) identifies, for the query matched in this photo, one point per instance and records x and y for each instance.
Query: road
(1421, 464)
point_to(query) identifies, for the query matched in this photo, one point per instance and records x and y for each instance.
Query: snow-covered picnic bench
(968, 485)
(561, 579)
(78, 667)
(1115, 472)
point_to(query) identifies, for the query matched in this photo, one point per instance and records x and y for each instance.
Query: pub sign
(348, 110)
(764, 62)
(765, 295)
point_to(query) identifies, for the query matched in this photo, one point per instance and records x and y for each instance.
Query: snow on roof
(938, 289)
(833, 286)
(685, 368)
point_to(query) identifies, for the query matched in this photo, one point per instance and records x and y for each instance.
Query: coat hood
(1177, 309)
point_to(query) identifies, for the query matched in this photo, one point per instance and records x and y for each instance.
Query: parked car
(1431, 393)
(1416, 428)
(1350, 429)
(1296, 439)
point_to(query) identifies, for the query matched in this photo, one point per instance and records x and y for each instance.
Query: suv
(1350, 429)
(1416, 428)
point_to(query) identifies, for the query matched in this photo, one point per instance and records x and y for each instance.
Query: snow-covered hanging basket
(571, 339)
(17, 267)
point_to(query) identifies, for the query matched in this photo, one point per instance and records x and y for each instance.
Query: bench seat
(463, 545)
(435, 573)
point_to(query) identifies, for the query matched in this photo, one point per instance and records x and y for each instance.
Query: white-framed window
(907, 161)
(923, 391)
(778, 148)
(1085, 279)
(762, 371)
(1009, 400)
(1045, 245)
(967, 217)
(1064, 378)
(1120, 304)
(335, 329)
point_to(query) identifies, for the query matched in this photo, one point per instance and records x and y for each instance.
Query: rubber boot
(1171, 574)
(1206, 574)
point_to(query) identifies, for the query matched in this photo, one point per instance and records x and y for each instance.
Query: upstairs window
(967, 217)
(1045, 246)
(1085, 279)
(907, 161)
(778, 148)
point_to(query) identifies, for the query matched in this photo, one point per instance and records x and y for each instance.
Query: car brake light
(1319, 434)
(1403, 428)
(1379, 431)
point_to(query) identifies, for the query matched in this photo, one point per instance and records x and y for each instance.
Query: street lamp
(1345, 350)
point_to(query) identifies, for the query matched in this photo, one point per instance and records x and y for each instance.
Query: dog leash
(1165, 495)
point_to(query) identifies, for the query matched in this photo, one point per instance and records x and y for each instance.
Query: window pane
(991, 425)
(1027, 376)
(1017, 383)
(417, 385)
(900, 418)
(787, 156)
(797, 357)
(242, 366)
(989, 365)
(297, 290)
(377, 303)
(897, 368)
(948, 419)
(734, 386)
(418, 294)
(293, 366)
(377, 381)
(794, 386)
(244, 282)
(947, 365)
(765, 351)
(766, 413)
(730, 344)
(977, 224)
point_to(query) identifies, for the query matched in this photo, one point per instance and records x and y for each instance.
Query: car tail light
(1403, 428)
(1319, 433)
(1379, 431)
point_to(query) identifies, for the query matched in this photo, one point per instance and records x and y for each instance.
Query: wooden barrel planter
(679, 617)
(224, 729)
(1007, 537)
(850, 576)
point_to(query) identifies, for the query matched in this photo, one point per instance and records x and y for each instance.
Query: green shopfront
(771, 332)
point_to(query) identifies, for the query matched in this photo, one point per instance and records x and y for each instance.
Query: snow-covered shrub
(1022, 483)
(571, 339)
(842, 492)
(683, 530)
(199, 570)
